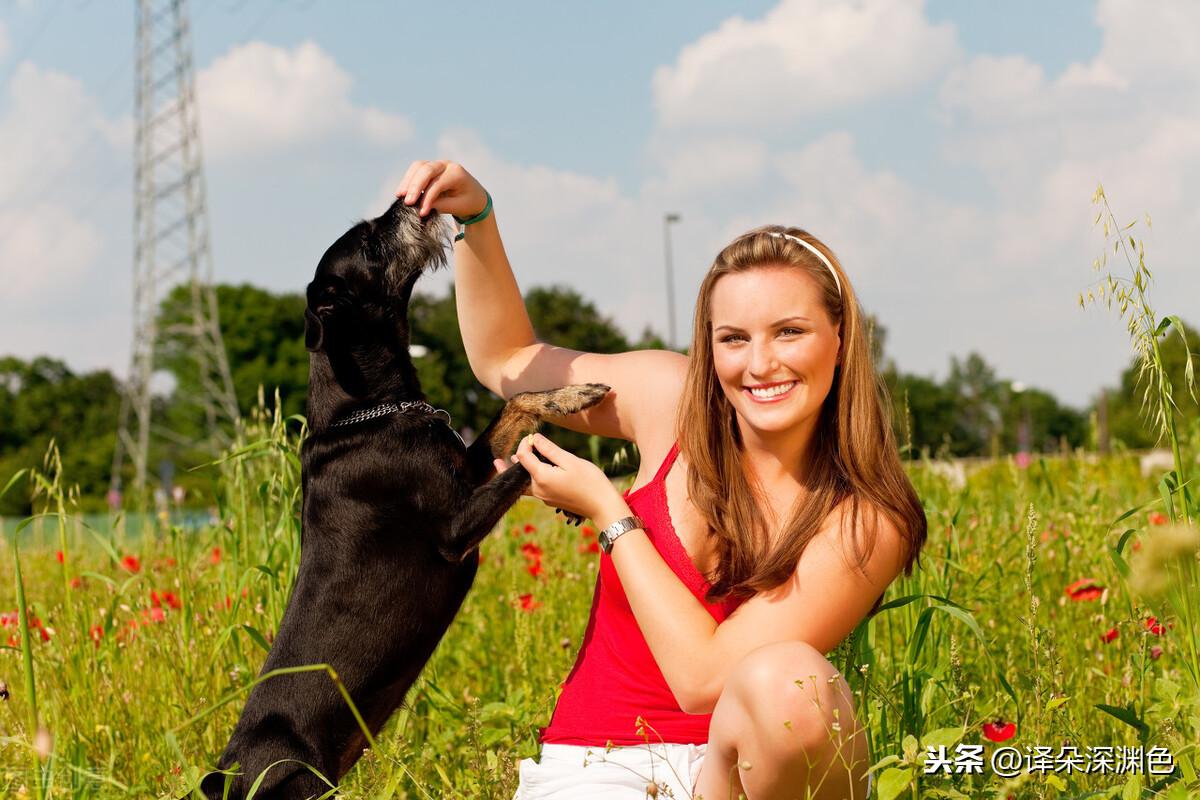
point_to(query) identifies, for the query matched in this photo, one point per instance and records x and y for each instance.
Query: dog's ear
(314, 331)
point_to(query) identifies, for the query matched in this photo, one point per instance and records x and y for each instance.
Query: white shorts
(575, 772)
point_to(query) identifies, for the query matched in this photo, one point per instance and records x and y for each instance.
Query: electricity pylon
(171, 244)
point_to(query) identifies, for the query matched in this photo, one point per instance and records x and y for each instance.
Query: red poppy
(1109, 635)
(530, 528)
(999, 731)
(14, 641)
(215, 556)
(1155, 627)
(1158, 518)
(58, 555)
(7, 619)
(131, 564)
(76, 582)
(155, 614)
(1155, 652)
(534, 568)
(531, 550)
(528, 603)
(97, 633)
(1085, 589)
(590, 547)
(587, 532)
(170, 598)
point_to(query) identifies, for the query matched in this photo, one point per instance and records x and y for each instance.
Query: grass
(144, 665)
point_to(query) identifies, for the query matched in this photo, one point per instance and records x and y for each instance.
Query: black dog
(395, 507)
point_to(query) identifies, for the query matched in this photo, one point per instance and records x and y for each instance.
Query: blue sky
(947, 151)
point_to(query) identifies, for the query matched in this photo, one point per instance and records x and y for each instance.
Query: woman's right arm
(498, 337)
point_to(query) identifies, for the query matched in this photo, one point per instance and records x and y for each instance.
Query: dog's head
(361, 290)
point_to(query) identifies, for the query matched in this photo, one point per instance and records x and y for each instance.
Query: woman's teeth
(772, 391)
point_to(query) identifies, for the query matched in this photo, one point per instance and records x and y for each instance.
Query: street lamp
(667, 220)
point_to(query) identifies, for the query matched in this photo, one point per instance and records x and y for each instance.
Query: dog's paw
(572, 517)
(562, 401)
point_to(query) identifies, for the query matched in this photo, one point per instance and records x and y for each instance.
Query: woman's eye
(791, 331)
(732, 337)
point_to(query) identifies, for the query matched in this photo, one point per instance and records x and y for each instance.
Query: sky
(948, 153)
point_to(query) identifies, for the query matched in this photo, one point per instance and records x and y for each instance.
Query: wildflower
(1085, 589)
(528, 603)
(999, 731)
(215, 556)
(96, 632)
(530, 528)
(1109, 635)
(590, 547)
(1023, 460)
(58, 556)
(1155, 653)
(132, 564)
(76, 582)
(533, 558)
(1154, 626)
(587, 532)
(1157, 518)
(170, 598)
(155, 614)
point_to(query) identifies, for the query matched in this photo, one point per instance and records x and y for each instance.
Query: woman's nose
(763, 361)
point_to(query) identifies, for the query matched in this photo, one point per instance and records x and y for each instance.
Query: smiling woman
(769, 515)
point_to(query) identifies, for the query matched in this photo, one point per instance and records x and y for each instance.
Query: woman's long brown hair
(853, 453)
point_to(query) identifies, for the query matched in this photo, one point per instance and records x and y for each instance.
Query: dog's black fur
(394, 511)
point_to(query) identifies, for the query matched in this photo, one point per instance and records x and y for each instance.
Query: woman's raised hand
(443, 186)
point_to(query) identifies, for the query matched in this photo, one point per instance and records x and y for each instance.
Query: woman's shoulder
(866, 537)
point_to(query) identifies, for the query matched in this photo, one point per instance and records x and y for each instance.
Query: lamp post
(667, 220)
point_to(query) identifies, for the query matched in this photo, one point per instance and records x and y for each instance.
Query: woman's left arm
(824, 600)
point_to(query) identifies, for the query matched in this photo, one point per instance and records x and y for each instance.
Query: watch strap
(618, 529)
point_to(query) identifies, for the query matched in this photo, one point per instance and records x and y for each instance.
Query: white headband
(815, 252)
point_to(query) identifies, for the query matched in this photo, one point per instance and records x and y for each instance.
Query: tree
(41, 400)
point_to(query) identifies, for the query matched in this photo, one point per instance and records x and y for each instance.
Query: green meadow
(1057, 596)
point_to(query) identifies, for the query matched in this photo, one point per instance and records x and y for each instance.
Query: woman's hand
(568, 482)
(442, 186)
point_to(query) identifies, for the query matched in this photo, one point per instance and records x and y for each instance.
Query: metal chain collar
(383, 409)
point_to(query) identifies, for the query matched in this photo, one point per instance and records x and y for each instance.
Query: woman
(775, 511)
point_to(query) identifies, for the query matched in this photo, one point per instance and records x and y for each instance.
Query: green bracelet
(480, 217)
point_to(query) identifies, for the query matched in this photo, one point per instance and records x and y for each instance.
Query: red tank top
(615, 679)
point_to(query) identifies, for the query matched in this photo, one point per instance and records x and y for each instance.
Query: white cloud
(803, 58)
(50, 122)
(46, 249)
(3, 41)
(259, 97)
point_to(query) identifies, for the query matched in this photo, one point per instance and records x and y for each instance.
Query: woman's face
(774, 346)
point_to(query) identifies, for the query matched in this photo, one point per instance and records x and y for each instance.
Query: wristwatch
(617, 529)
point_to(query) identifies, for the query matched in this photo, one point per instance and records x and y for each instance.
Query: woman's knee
(792, 696)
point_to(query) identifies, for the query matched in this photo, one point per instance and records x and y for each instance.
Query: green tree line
(972, 412)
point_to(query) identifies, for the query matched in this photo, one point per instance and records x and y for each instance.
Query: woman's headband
(815, 252)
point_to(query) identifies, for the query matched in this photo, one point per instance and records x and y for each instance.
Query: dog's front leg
(482, 511)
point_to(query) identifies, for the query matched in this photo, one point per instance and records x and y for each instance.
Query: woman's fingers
(420, 179)
(433, 191)
(402, 189)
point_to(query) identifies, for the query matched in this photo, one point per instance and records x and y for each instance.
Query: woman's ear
(314, 331)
